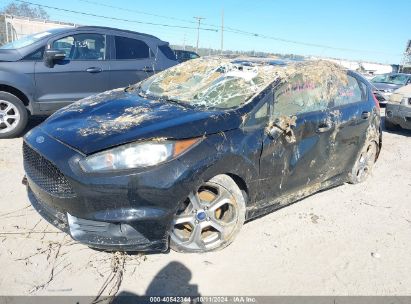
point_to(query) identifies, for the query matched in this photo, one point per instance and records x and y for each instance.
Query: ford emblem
(39, 139)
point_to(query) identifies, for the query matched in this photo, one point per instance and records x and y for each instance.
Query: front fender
(233, 152)
(21, 80)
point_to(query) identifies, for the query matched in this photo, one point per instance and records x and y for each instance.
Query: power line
(236, 31)
(226, 28)
(246, 33)
(142, 12)
(114, 18)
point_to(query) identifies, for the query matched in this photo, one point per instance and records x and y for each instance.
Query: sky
(352, 29)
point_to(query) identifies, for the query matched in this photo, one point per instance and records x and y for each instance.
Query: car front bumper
(129, 211)
(399, 114)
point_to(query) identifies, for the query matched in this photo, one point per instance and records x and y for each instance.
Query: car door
(131, 62)
(296, 148)
(351, 114)
(82, 73)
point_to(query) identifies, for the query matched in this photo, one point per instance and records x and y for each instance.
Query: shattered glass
(223, 83)
(219, 83)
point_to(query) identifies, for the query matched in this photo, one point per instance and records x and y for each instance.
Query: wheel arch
(16, 92)
(243, 175)
(241, 183)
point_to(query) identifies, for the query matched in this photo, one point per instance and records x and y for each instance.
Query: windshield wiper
(174, 100)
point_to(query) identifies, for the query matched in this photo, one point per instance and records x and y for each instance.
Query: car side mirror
(52, 56)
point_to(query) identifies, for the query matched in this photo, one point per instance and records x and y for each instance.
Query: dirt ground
(350, 240)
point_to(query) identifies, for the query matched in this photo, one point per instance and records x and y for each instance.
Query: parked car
(191, 153)
(43, 72)
(398, 110)
(183, 55)
(385, 84)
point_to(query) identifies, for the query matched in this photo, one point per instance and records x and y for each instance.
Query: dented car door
(295, 156)
(351, 115)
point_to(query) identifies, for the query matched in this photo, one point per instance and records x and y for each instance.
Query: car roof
(104, 28)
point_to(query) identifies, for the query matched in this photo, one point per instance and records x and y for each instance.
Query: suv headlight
(135, 155)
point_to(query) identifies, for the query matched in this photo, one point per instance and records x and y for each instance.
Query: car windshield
(208, 82)
(222, 83)
(25, 41)
(399, 79)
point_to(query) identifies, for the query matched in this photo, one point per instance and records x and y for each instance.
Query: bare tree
(25, 10)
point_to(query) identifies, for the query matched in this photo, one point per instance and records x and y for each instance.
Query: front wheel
(13, 115)
(210, 218)
(365, 163)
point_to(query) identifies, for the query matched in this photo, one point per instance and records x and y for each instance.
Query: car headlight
(135, 155)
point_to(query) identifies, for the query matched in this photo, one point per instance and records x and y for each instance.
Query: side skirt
(263, 207)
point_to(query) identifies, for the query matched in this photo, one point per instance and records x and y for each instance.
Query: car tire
(389, 125)
(13, 115)
(364, 164)
(210, 218)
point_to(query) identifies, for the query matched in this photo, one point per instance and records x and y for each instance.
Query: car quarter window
(260, 114)
(128, 48)
(297, 96)
(82, 46)
(352, 92)
(36, 55)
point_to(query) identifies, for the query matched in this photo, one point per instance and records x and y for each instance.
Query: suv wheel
(13, 115)
(210, 218)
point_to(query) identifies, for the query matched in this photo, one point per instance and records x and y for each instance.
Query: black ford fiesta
(185, 157)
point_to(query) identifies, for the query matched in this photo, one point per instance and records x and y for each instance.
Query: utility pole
(222, 30)
(184, 42)
(198, 30)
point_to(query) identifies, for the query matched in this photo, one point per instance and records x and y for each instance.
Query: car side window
(128, 48)
(297, 96)
(82, 46)
(351, 92)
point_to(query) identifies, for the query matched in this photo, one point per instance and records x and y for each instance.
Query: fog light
(388, 114)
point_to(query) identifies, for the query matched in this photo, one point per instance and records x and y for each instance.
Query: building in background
(14, 27)
(367, 69)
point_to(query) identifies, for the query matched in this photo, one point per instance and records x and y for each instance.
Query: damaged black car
(186, 157)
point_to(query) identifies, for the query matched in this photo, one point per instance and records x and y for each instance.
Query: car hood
(118, 117)
(405, 91)
(386, 86)
(9, 55)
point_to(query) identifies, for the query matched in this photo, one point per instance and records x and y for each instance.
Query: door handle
(324, 127)
(365, 115)
(147, 69)
(94, 70)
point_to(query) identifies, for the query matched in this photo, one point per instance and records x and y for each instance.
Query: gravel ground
(350, 240)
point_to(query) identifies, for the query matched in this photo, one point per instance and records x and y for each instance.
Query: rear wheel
(389, 125)
(365, 163)
(13, 115)
(210, 218)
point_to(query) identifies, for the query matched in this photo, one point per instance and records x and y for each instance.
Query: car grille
(46, 175)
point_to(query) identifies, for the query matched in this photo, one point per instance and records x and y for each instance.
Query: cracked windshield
(214, 83)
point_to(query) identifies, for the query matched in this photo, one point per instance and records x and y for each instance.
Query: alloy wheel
(365, 162)
(207, 220)
(9, 116)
